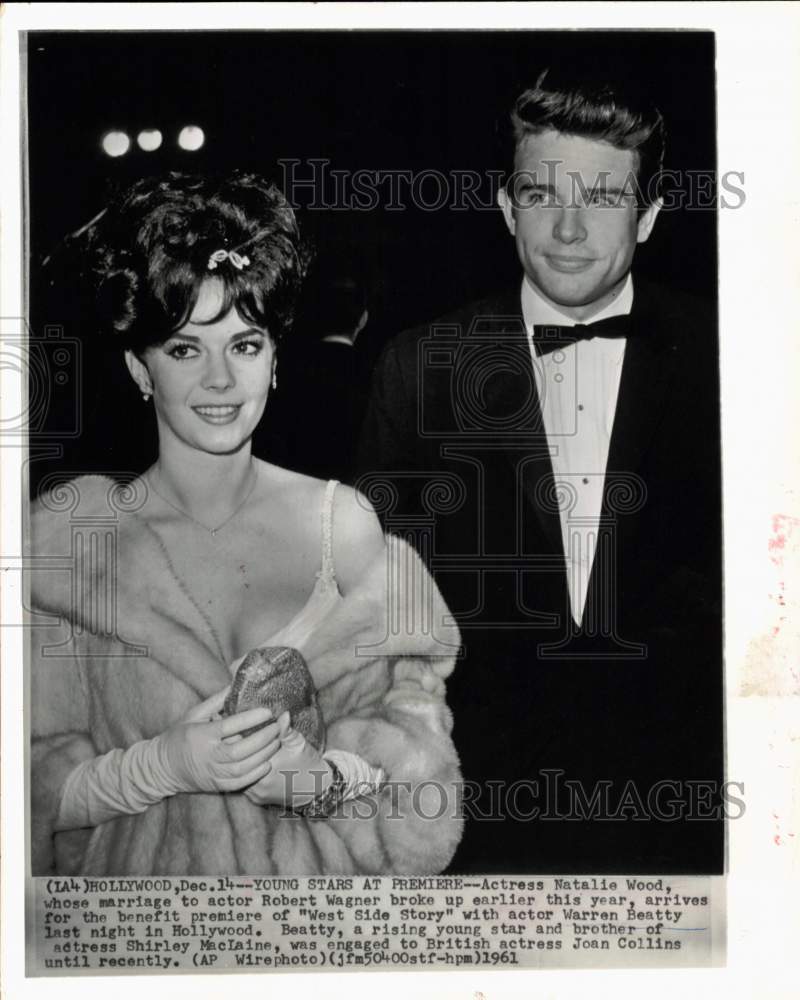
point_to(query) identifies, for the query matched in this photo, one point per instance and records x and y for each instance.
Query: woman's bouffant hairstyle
(148, 254)
(609, 111)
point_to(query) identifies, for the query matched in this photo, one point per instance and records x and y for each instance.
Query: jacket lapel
(647, 372)
(512, 403)
(538, 488)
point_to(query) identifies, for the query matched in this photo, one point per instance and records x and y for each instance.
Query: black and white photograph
(376, 597)
(243, 343)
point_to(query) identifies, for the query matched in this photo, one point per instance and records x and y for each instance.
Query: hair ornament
(239, 261)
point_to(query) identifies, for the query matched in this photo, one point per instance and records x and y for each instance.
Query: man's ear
(647, 220)
(508, 210)
(139, 372)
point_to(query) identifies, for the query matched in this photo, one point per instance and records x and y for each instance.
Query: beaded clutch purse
(277, 677)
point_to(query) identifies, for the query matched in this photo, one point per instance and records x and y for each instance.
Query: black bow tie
(549, 337)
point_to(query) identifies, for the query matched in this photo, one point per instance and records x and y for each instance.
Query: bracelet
(326, 802)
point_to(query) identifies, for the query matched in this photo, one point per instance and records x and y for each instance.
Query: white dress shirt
(578, 388)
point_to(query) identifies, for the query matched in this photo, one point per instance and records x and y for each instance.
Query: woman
(212, 553)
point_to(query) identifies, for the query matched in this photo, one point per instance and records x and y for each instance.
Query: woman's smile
(218, 413)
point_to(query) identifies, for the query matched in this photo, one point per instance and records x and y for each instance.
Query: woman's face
(209, 381)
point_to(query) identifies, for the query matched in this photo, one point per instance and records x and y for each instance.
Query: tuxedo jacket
(596, 748)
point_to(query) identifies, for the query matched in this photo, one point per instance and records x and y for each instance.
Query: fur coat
(120, 655)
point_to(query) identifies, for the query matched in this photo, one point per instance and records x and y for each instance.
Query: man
(563, 482)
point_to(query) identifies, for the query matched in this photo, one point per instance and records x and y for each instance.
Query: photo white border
(758, 75)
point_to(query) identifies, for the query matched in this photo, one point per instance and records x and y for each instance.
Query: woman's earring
(146, 396)
(274, 379)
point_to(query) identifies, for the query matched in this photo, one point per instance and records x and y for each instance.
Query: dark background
(362, 100)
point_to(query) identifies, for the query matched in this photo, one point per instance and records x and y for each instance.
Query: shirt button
(558, 357)
(558, 378)
(580, 406)
(585, 481)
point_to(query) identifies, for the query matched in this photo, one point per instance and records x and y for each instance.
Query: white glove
(197, 754)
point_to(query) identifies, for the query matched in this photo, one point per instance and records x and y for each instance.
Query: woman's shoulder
(85, 497)
(68, 492)
(351, 508)
(344, 514)
(295, 489)
(357, 536)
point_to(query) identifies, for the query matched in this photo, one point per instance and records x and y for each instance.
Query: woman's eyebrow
(247, 333)
(182, 336)
(239, 335)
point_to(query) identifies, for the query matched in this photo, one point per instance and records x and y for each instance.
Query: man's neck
(539, 309)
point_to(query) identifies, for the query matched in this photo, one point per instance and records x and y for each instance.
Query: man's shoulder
(503, 305)
(672, 308)
(679, 314)
(682, 327)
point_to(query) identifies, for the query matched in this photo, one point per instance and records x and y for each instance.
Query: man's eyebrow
(610, 189)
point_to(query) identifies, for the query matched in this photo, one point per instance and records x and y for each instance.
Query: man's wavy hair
(147, 255)
(607, 111)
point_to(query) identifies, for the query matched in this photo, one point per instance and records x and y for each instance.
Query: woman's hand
(206, 754)
(208, 710)
(297, 772)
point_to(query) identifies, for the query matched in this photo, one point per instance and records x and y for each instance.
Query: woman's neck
(204, 486)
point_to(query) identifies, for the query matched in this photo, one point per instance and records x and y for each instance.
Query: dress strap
(327, 574)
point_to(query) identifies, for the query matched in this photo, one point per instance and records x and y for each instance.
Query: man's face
(571, 207)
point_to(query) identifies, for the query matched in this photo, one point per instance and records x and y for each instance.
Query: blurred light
(149, 139)
(191, 138)
(116, 143)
